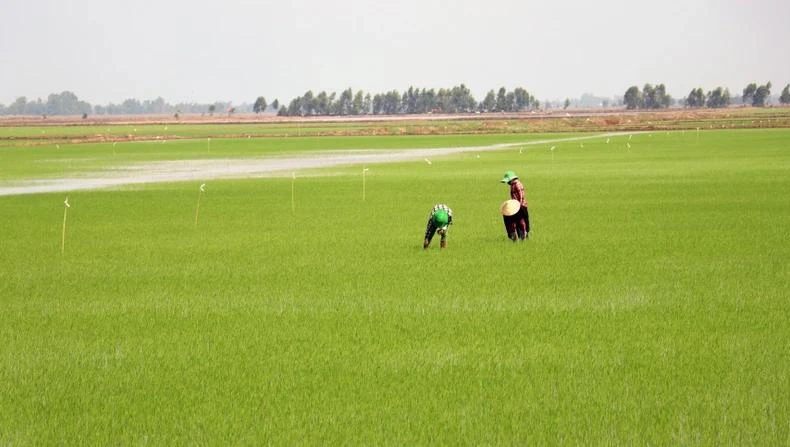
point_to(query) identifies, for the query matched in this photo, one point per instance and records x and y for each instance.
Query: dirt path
(202, 170)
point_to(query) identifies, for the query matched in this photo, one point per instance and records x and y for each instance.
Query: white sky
(235, 50)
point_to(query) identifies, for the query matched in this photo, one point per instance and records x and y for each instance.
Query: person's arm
(426, 240)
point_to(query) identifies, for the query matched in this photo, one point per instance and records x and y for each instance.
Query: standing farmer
(439, 220)
(517, 224)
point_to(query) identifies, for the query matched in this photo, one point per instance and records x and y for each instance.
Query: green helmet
(441, 218)
(509, 176)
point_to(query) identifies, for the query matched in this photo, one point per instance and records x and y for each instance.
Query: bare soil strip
(203, 170)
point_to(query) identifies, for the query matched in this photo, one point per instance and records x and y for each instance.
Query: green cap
(441, 218)
(509, 176)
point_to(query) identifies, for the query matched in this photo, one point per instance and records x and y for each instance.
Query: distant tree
(410, 100)
(259, 105)
(378, 103)
(366, 104)
(419, 100)
(632, 97)
(748, 93)
(276, 104)
(655, 97)
(231, 111)
(24, 107)
(84, 116)
(358, 103)
(718, 98)
(331, 104)
(605, 103)
(391, 103)
(176, 115)
(442, 101)
(428, 100)
(18, 106)
(695, 98)
(308, 103)
(510, 102)
(522, 99)
(295, 107)
(36, 107)
(567, 103)
(761, 95)
(462, 100)
(211, 109)
(61, 103)
(649, 99)
(784, 98)
(65, 103)
(322, 103)
(344, 104)
(131, 106)
(663, 100)
(489, 103)
(423, 101)
(156, 107)
(501, 100)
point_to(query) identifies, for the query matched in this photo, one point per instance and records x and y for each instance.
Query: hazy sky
(235, 50)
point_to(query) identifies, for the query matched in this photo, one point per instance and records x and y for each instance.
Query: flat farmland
(649, 306)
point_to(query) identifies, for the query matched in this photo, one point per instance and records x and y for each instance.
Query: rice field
(649, 306)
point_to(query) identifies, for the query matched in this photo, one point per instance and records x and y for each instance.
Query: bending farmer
(438, 222)
(516, 224)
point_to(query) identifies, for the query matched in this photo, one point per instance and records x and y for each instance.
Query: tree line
(67, 103)
(458, 99)
(651, 97)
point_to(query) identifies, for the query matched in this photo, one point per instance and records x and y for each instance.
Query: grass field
(650, 305)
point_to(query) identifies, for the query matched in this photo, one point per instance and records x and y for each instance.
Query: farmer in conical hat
(514, 211)
(439, 221)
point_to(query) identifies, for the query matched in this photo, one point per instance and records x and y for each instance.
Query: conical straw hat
(510, 207)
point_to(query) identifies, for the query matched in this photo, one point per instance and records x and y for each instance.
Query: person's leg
(523, 224)
(443, 241)
(510, 227)
(526, 218)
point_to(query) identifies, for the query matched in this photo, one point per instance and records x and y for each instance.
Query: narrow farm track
(202, 170)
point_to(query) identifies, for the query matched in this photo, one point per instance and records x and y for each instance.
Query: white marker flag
(66, 207)
(197, 208)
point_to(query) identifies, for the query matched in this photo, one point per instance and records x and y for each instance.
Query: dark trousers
(517, 225)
